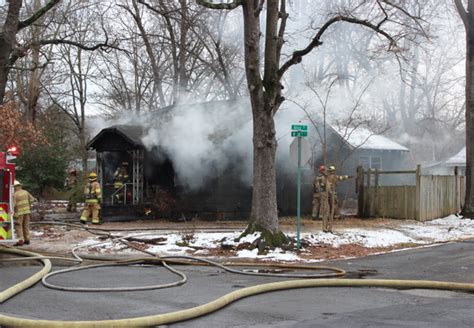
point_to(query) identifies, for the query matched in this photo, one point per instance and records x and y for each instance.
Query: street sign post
(299, 131)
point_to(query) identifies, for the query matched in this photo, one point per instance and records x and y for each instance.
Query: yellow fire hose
(12, 291)
(172, 317)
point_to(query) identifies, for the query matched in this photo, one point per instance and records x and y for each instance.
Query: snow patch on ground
(201, 243)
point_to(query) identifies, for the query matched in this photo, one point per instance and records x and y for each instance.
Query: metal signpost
(299, 131)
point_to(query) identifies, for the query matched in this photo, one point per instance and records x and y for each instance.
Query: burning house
(181, 165)
(196, 160)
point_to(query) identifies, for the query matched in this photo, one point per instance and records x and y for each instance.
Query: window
(370, 162)
(375, 163)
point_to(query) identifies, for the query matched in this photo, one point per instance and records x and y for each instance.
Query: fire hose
(309, 281)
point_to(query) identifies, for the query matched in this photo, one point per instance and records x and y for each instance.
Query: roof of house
(131, 133)
(458, 160)
(362, 138)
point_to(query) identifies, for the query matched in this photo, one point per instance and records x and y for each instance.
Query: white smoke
(202, 140)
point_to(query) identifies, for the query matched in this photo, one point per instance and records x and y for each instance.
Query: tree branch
(33, 18)
(102, 46)
(260, 7)
(229, 6)
(316, 42)
(416, 19)
(384, 13)
(462, 12)
(283, 15)
(156, 11)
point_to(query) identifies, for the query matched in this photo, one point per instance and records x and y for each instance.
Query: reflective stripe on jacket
(22, 200)
(92, 192)
(120, 177)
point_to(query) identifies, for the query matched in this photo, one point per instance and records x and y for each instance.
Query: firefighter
(93, 197)
(332, 180)
(22, 201)
(120, 178)
(70, 185)
(319, 193)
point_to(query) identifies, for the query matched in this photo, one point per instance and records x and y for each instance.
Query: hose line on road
(172, 317)
(114, 289)
(181, 315)
(189, 260)
(28, 282)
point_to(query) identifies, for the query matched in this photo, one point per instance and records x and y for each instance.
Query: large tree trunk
(7, 41)
(264, 208)
(265, 96)
(264, 198)
(468, 209)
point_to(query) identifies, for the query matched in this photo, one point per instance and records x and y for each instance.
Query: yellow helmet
(93, 176)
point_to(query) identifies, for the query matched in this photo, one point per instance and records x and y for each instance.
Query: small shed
(115, 145)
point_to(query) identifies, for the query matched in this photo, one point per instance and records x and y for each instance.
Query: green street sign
(299, 133)
(299, 127)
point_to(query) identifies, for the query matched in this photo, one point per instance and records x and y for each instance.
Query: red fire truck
(7, 177)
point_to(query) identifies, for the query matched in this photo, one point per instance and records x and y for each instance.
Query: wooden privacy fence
(429, 197)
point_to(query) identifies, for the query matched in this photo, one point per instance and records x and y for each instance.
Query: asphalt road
(322, 307)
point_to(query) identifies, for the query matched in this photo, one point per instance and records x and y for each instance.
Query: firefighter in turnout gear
(319, 194)
(93, 196)
(22, 201)
(120, 178)
(71, 186)
(332, 180)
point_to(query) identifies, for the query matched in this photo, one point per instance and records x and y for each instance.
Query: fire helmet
(322, 168)
(92, 176)
(331, 168)
(16, 183)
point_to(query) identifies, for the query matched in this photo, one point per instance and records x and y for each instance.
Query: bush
(40, 167)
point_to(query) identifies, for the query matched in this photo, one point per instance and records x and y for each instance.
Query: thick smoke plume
(204, 140)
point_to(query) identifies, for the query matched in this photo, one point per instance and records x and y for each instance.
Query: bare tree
(325, 122)
(13, 48)
(125, 81)
(9, 49)
(189, 54)
(467, 17)
(266, 91)
(75, 68)
(28, 74)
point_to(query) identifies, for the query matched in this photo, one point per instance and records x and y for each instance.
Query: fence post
(418, 213)
(457, 190)
(360, 191)
(369, 194)
(376, 190)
